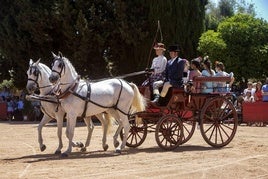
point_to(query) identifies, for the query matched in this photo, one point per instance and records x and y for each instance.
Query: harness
(71, 90)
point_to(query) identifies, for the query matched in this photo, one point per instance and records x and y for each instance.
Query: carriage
(174, 124)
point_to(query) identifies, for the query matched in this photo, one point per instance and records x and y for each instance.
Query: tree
(246, 51)
(225, 9)
(101, 37)
(212, 44)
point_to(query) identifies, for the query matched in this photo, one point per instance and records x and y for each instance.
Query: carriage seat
(198, 80)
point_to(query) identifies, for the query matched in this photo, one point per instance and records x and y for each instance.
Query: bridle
(36, 72)
(61, 66)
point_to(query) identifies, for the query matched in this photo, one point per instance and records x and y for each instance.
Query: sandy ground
(245, 157)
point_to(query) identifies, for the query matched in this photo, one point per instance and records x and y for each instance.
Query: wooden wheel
(169, 132)
(189, 124)
(218, 122)
(137, 133)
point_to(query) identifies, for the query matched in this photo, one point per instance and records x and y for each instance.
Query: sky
(261, 7)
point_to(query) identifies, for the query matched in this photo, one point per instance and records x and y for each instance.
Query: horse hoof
(83, 149)
(64, 155)
(118, 151)
(58, 152)
(43, 148)
(116, 144)
(105, 147)
(80, 144)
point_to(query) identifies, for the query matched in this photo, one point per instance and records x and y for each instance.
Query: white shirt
(159, 64)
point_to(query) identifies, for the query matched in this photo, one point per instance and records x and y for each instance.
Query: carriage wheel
(218, 122)
(137, 133)
(169, 132)
(189, 124)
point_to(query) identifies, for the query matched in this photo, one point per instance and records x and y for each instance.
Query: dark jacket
(174, 72)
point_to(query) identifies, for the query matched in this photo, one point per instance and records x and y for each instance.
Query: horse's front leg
(104, 119)
(90, 128)
(43, 122)
(59, 133)
(71, 121)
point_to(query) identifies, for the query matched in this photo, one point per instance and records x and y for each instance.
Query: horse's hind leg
(43, 122)
(90, 127)
(125, 124)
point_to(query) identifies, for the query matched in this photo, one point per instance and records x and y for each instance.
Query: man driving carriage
(174, 74)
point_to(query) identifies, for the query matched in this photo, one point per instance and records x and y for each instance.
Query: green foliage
(100, 37)
(241, 43)
(211, 44)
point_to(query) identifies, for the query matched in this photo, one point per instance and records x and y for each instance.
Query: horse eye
(60, 65)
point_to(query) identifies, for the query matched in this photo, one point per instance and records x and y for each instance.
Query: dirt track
(245, 157)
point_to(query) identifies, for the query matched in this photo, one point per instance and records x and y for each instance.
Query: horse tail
(138, 103)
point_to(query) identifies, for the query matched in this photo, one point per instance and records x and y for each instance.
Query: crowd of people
(15, 106)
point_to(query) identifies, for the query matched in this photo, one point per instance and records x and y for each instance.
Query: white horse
(38, 78)
(114, 96)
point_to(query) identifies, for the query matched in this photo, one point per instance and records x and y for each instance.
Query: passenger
(157, 70)
(174, 73)
(258, 92)
(195, 71)
(222, 86)
(207, 87)
(264, 90)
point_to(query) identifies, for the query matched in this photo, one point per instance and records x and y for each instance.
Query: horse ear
(38, 61)
(60, 54)
(31, 62)
(54, 55)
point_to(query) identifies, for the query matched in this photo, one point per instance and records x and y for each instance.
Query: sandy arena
(245, 157)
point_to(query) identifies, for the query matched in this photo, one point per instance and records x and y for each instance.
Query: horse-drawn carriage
(175, 123)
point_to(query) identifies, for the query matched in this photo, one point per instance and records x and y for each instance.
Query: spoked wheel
(189, 123)
(169, 132)
(218, 122)
(137, 133)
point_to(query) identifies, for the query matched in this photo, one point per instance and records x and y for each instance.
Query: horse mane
(45, 67)
(72, 69)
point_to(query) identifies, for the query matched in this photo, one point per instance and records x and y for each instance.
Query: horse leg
(125, 124)
(71, 121)
(116, 116)
(119, 128)
(59, 133)
(90, 127)
(105, 124)
(43, 122)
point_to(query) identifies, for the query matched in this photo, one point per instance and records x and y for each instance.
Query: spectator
(258, 92)
(174, 73)
(157, 70)
(248, 97)
(195, 71)
(249, 88)
(207, 87)
(5, 93)
(10, 108)
(265, 91)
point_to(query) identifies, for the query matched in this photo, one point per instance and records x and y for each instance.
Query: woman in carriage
(157, 70)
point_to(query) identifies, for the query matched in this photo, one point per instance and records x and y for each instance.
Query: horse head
(36, 76)
(33, 74)
(58, 67)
